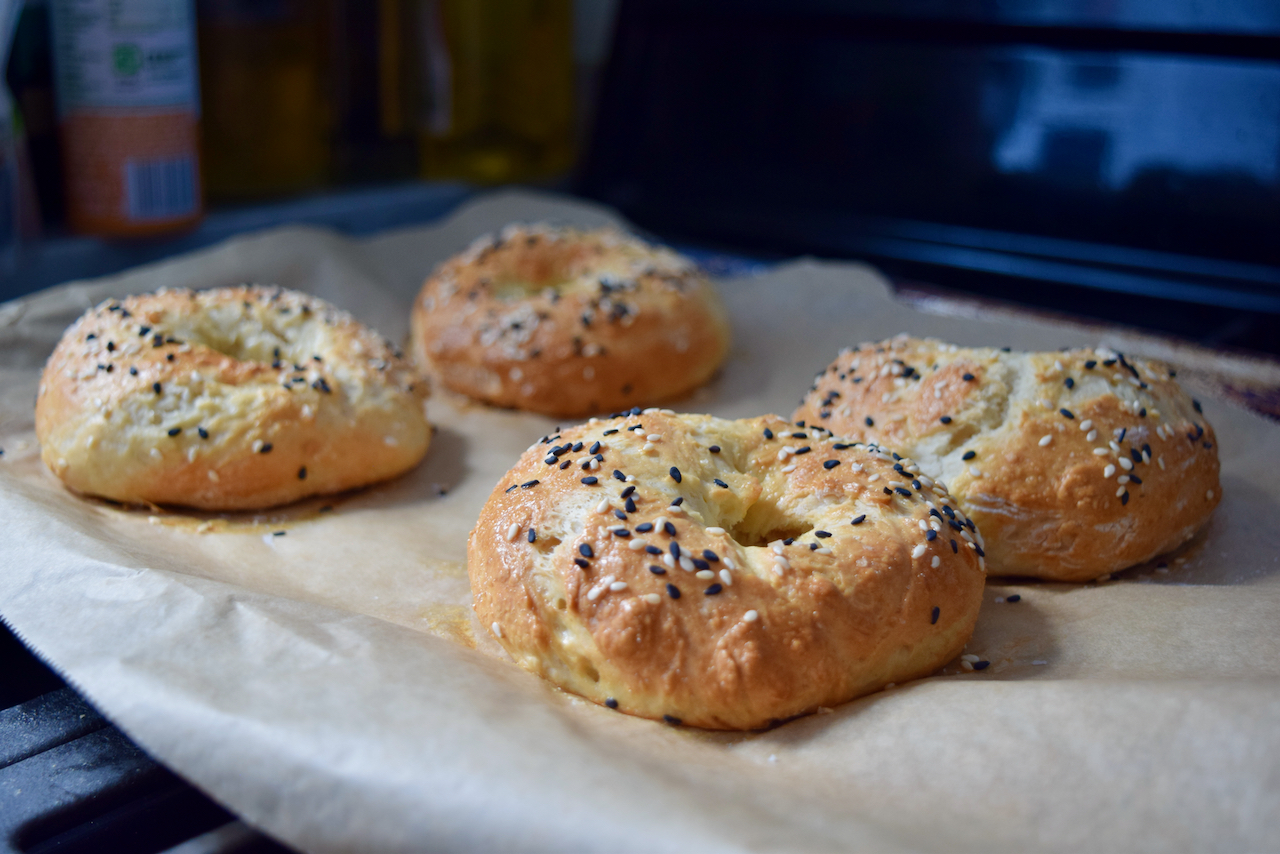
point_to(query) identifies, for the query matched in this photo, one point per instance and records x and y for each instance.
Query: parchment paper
(328, 685)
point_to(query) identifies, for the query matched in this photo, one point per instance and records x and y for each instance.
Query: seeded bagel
(568, 323)
(226, 399)
(1074, 464)
(722, 574)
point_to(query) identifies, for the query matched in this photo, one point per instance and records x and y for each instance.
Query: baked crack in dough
(226, 399)
(567, 322)
(1074, 464)
(722, 574)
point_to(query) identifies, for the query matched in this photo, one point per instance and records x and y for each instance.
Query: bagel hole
(591, 672)
(561, 604)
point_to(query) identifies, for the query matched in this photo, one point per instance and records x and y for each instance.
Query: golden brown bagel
(723, 574)
(226, 399)
(1074, 464)
(568, 322)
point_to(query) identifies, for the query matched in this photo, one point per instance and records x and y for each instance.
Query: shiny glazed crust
(723, 574)
(226, 399)
(567, 322)
(1074, 464)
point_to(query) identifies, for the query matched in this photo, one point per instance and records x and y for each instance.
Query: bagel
(227, 399)
(568, 323)
(1074, 464)
(722, 574)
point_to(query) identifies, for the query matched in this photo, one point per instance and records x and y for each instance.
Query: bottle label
(124, 53)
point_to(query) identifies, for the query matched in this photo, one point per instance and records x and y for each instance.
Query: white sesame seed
(1046, 404)
(1101, 452)
(729, 563)
(1109, 470)
(919, 550)
(636, 545)
(1092, 436)
(512, 531)
(594, 465)
(603, 506)
(155, 452)
(213, 475)
(777, 548)
(781, 562)
(648, 446)
(1045, 440)
(936, 562)
(653, 437)
(886, 397)
(751, 616)
(823, 551)
(1209, 495)
(686, 563)
(257, 445)
(1119, 492)
(1124, 478)
(704, 574)
(652, 598)
(873, 478)
(924, 526)
(1126, 464)
(496, 629)
(1146, 457)
(1086, 425)
(970, 657)
(1115, 448)
(715, 530)
(973, 470)
(594, 594)
(618, 586)
(659, 522)
(669, 561)
(1160, 460)
(856, 467)
(1057, 365)
(727, 577)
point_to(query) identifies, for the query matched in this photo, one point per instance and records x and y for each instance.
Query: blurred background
(1117, 160)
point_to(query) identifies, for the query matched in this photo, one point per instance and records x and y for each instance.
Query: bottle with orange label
(129, 114)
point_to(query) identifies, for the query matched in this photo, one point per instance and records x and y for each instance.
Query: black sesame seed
(946, 508)
(981, 665)
(133, 372)
(669, 528)
(585, 550)
(768, 434)
(977, 548)
(610, 432)
(1069, 383)
(933, 616)
(822, 534)
(1133, 453)
(142, 331)
(955, 547)
(672, 719)
(617, 475)
(720, 483)
(1017, 597)
(204, 434)
(1067, 413)
(806, 449)
(1123, 432)
(1090, 365)
(674, 548)
(679, 499)
(594, 449)
(673, 591)
(170, 357)
(644, 527)
(321, 386)
(528, 483)
(591, 480)
(968, 455)
(869, 422)
(713, 590)
(813, 547)
(788, 541)
(1142, 413)
(946, 419)
(155, 387)
(653, 550)
(699, 563)
(630, 506)
(564, 465)
(1195, 404)
(915, 484)
(840, 446)
(581, 563)
(611, 703)
(266, 448)
(551, 460)
(511, 487)
(1006, 349)
(1124, 499)
(906, 493)
(858, 520)
(830, 464)
(931, 535)
(675, 474)
(968, 378)
(627, 491)
(302, 473)
(175, 431)
(621, 515)
(657, 570)
(711, 556)
(715, 449)
(111, 346)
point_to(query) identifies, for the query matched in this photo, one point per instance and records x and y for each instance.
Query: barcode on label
(160, 189)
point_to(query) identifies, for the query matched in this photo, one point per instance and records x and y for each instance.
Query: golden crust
(226, 399)
(782, 620)
(569, 323)
(1083, 462)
